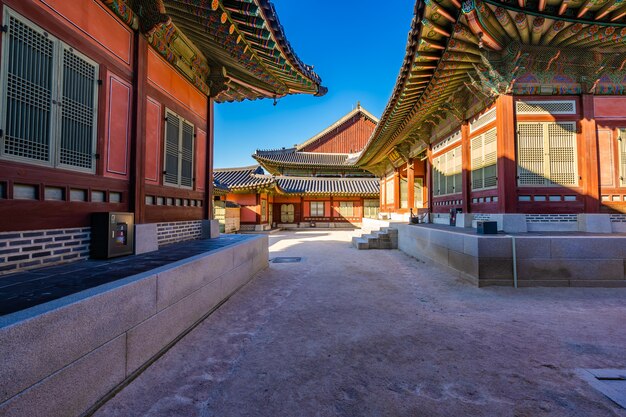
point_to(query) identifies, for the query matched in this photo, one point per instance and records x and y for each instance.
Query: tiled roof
(242, 178)
(474, 50)
(230, 49)
(292, 157)
(328, 186)
(253, 177)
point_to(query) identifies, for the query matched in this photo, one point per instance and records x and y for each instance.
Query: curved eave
(450, 52)
(246, 38)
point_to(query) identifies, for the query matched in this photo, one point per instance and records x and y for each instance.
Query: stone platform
(60, 357)
(541, 258)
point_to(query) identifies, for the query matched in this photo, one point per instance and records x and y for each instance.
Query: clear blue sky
(357, 48)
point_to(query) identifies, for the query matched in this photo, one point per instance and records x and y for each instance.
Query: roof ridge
(246, 168)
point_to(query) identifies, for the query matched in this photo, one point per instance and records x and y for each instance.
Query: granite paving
(378, 333)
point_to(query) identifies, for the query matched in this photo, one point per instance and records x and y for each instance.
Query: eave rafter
(494, 47)
(242, 36)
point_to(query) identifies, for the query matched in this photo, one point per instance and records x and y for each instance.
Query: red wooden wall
(350, 137)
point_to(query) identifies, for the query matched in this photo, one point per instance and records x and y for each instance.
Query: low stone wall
(174, 232)
(60, 358)
(36, 248)
(557, 260)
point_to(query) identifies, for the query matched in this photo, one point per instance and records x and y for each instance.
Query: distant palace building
(107, 106)
(311, 185)
(508, 110)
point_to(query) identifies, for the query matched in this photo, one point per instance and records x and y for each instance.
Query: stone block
(33, 348)
(495, 268)
(543, 283)
(532, 247)
(464, 219)
(587, 247)
(146, 238)
(463, 262)
(495, 282)
(470, 245)
(570, 269)
(149, 337)
(180, 281)
(495, 247)
(594, 223)
(210, 229)
(248, 249)
(453, 241)
(437, 253)
(235, 279)
(76, 387)
(514, 223)
(598, 283)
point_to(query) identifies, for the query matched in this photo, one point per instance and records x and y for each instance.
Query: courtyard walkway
(377, 333)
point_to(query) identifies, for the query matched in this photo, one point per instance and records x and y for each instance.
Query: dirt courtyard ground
(378, 333)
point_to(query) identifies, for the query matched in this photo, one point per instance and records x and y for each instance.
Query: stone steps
(386, 238)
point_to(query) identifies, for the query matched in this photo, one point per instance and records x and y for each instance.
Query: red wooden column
(332, 209)
(410, 177)
(466, 164)
(589, 156)
(429, 179)
(138, 149)
(208, 193)
(507, 165)
(396, 190)
(383, 193)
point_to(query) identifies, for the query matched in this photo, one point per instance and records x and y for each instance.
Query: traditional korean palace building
(310, 185)
(107, 106)
(504, 109)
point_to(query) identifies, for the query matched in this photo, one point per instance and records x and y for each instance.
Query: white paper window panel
(482, 120)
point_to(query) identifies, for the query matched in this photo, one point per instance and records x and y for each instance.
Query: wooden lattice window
(621, 146)
(371, 208)
(346, 208)
(404, 192)
(547, 154)
(179, 148)
(447, 173)
(317, 209)
(49, 99)
(484, 153)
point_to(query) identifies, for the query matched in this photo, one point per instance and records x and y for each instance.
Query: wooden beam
(589, 156)
(138, 150)
(507, 166)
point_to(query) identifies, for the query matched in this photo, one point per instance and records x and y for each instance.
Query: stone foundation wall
(36, 248)
(173, 232)
(61, 357)
(558, 260)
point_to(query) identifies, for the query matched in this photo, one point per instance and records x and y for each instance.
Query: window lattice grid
(622, 157)
(78, 111)
(317, 209)
(490, 161)
(30, 62)
(530, 158)
(562, 153)
(546, 107)
(172, 132)
(483, 120)
(476, 147)
(547, 154)
(186, 178)
(346, 208)
(447, 172)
